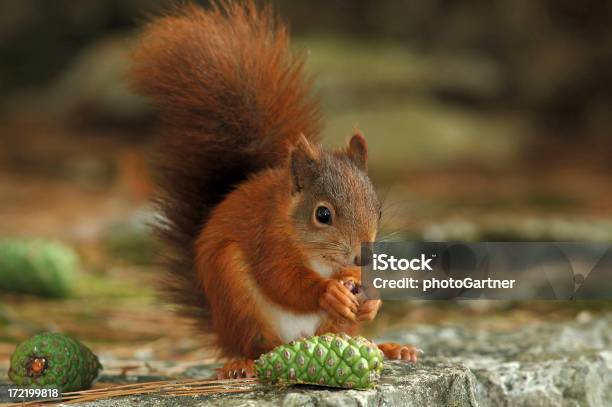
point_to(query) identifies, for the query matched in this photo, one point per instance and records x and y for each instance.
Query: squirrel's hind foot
(237, 369)
(395, 351)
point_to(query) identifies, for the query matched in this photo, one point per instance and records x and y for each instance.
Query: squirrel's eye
(323, 215)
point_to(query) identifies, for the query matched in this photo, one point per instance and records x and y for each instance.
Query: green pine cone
(38, 267)
(54, 360)
(335, 360)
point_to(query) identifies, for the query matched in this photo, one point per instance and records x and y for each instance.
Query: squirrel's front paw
(368, 310)
(338, 301)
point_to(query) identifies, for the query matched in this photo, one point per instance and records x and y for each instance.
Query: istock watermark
(385, 262)
(488, 270)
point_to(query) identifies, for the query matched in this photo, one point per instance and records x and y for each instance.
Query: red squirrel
(261, 223)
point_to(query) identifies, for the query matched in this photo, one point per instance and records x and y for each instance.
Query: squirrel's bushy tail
(233, 98)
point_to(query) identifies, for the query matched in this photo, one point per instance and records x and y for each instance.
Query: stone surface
(546, 364)
(562, 364)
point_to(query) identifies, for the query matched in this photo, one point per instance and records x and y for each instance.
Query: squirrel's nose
(361, 257)
(357, 260)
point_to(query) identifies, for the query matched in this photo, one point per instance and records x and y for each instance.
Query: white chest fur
(290, 326)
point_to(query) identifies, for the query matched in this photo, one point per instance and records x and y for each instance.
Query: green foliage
(326, 360)
(131, 244)
(53, 359)
(37, 267)
(393, 103)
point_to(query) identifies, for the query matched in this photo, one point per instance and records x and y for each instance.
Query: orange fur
(233, 100)
(239, 263)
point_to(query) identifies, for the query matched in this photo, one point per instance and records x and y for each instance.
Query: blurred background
(486, 121)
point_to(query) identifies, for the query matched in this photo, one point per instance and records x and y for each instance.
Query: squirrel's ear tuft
(304, 158)
(358, 150)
